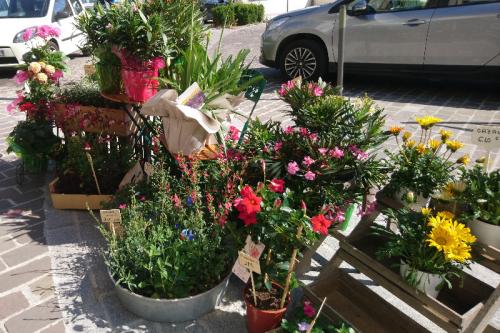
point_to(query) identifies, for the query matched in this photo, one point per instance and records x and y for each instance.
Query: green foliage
(172, 244)
(32, 138)
(84, 93)
(482, 194)
(322, 325)
(299, 94)
(107, 70)
(224, 15)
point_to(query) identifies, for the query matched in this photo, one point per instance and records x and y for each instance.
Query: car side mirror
(359, 8)
(61, 15)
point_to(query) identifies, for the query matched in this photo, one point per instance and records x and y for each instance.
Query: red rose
(320, 224)
(277, 185)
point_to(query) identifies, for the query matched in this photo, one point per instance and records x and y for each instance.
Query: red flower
(248, 206)
(309, 310)
(277, 185)
(320, 224)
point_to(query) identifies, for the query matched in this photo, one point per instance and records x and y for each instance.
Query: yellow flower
(35, 67)
(464, 159)
(410, 143)
(406, 136)
(49, 69)
(459, 253)
(456, 187)
(428, 121)
(42, 64)
(463, 233)
(445, 215)
(454, 145)
(42, 77)
(442, 237)
(445, 135)
(420, 148)
(395, 130)
(435, 221)
(426, 211)
(434, 144)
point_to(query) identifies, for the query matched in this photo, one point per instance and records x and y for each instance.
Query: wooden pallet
(466, 309)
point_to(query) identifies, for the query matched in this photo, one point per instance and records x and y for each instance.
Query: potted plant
(432, 248)
(422, 168)
(97, 25)
(276, 217)
(300, 93)
(33, 141)
(139, 40)
(173, 258)
(80, 107)
(482, 199)
(89, 170)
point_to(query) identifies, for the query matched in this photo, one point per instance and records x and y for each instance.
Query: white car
(18, 15)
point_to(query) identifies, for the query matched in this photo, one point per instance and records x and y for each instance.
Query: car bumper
(268, 48)
(12, 55)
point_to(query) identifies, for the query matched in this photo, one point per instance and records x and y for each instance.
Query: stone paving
(51, 276)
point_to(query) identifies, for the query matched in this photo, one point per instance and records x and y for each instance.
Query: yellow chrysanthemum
(410, 143)
(426, 211)
(395, 130)
(442, 237)
(463, 233)
(445, 214)
(428, 121)
(420, 148)
(463, 160)
(459, 253)
(434, 144)
(454, 145)
(407, 135)
(445, 135)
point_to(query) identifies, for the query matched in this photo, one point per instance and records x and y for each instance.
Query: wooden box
(76, 201)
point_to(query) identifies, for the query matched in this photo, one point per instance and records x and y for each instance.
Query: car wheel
(305, 58)
(53, 45)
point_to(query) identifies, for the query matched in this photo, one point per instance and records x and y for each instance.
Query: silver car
(457, 37)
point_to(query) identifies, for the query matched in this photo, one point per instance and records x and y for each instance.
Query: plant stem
(291, 267)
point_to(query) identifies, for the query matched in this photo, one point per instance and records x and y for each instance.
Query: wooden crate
(76, 201)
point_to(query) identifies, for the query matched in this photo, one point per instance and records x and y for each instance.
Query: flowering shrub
(423, 167)
(174, 242)
(427, 242)
(40, 74)
(299, 94)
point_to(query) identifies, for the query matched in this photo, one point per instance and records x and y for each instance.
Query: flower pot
(76, 201)
(486, 233)
(425, 282)
(140, 83)
(418, 203)
(261, 321)
(171, 310)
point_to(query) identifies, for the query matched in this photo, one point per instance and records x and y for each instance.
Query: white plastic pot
(486, 233)
(426, 282)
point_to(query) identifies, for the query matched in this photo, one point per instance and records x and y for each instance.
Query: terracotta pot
(486, 233)
(261, 321)
(140, 84)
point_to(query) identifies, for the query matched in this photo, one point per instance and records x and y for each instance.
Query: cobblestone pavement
(49, 269)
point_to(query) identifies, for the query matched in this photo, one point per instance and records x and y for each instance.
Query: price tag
(148, 168)
(111, 216)
(249, 262)
(486, 136)
(253, 250)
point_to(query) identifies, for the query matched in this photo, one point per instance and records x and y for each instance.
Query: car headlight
(274, 24)
(18, 38)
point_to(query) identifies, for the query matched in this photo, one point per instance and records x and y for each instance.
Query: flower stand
(460, 309)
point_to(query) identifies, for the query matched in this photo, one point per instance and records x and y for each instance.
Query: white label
(111, 216)
(249, 262)
(254, 251)
(486, 136)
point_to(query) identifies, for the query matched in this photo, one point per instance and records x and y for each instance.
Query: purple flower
(303, 326)
(189, 201)
(187, 234)
(310, 175)
(292, 168)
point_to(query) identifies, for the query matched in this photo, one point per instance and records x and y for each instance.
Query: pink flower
(277, 146)
(176, 200)
(21, 76)
(308, 161)
(233, 134)
(309, 310)
(292, 168)
(370, 208)
(87, 146)
(282, 92)
(323, 151)
(337, 153)
(317, 91)
(158, 63)
(57, 75)
(313, 136)
(27, 34)
(46, 31)
(310, 175)
(304, 131)
(142, 198)
(358, 153)
(277, 185)
(122, 206)
(12, 106)
(339, 216)
(289, 130)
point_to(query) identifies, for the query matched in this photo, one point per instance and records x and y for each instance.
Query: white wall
(276, 7)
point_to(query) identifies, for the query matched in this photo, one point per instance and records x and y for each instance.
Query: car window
(62, 8)
(383, 6)
(77, 8)
(23, 8)
(453, 3)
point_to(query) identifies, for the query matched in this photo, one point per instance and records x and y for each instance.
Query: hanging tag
(253, 250)
(249, 262)
(487, 137)
(110, 215)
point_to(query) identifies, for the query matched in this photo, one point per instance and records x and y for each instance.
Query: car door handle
(413, 22)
